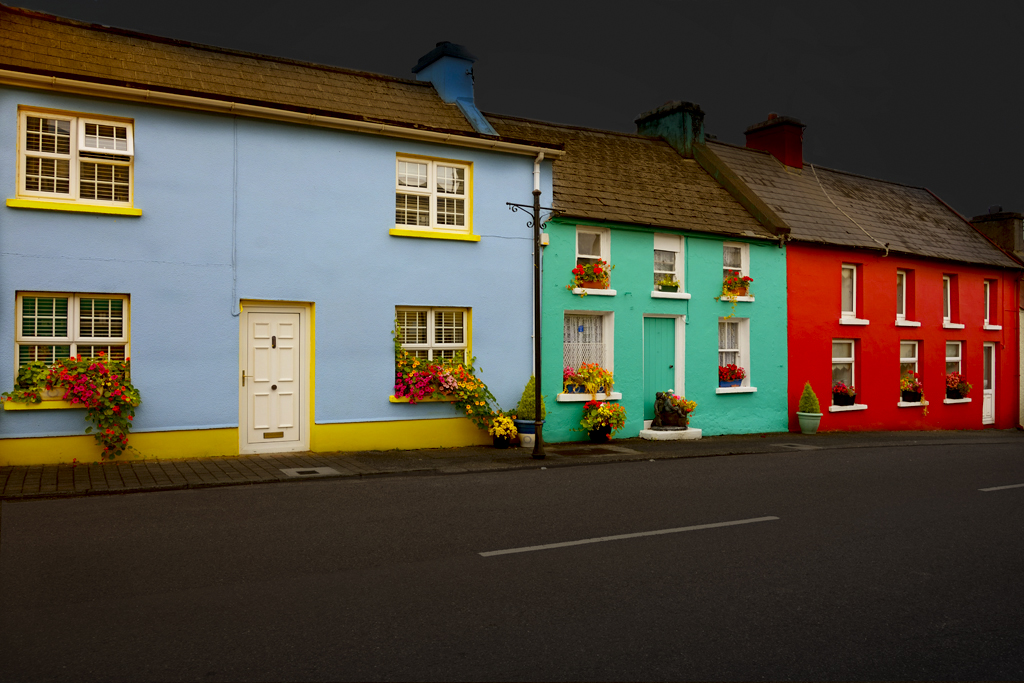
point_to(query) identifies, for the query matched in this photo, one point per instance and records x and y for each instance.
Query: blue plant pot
(730, 383)
(526, 426)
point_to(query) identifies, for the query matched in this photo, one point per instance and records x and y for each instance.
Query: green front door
(659, 360)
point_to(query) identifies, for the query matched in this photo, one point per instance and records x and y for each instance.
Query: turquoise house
(646, 206)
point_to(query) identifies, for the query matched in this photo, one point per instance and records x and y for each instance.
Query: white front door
(988, 388)
(272, 382)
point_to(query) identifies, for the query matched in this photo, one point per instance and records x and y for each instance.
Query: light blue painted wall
(314, 207)
(632, 254)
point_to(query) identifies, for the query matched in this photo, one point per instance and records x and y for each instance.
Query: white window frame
(947, 303)
(608, 351)
(988, 302)
(432, 194)
(901, 294)
(676, 244)
(73, 338)
(910, 359)
(958, 358)
(605, 237)
(851, 359)
(744, 269)
(743, 339)
(78, 154)
(432, 345)
(853, 295)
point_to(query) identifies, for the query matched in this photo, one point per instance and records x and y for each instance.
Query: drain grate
(310, 472)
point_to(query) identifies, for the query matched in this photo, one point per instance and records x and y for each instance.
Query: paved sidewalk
(129, 476)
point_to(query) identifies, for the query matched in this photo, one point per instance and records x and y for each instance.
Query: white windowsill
(583, 398)
(907, 323)
(908, 404)
(670, 295)
(956, 400)
(853, 321)
(592, 292)
(994, 328)
(735, 390)
(952, 326)
(727, 297)
(846, 409)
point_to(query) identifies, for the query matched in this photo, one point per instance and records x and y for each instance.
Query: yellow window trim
(405, 399)
(432, 234)
(45, 405)
(77, 208)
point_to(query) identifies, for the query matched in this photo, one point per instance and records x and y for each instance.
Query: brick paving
(129, 476)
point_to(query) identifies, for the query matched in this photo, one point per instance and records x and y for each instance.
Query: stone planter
(808, 422)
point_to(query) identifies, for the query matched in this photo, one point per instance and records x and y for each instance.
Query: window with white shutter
(432, 195)
(433, 333)
(51, 326)
(75, 158)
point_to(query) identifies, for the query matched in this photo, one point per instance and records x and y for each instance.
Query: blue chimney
(449, 67)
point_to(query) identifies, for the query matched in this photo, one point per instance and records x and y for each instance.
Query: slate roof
(44, 44)
(627, 178)
(911, 220)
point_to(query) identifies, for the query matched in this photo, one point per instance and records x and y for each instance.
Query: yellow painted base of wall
(53, 450)
(205, 443)
(401, 434)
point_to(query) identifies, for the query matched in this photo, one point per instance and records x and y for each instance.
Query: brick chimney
(449, 67)
(781, 136)
(1005, 228)
(680, 124)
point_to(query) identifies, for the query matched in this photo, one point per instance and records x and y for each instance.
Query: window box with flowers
(592, 278)
(667, 283)
(911, 390)
(957, 388)
(736, 287)
(842, 394)
(730, 375)
(601, 420)
(588, 382)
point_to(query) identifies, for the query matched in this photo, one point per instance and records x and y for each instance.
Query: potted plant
(672, 411)
(595, 379)
(956, 386)
(808, 410)
(911, 388)
(526, 413)
(667, 283)
(843, 395)
(601, 419)
(571, 382)
(735, 285)
(730, 375)
(502, 430)
(591, 276)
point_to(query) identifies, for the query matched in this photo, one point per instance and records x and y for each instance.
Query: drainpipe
(538, 440)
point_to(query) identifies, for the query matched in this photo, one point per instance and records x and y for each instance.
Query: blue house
(248, 230)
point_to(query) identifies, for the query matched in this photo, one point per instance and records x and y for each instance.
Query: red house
(885, 282)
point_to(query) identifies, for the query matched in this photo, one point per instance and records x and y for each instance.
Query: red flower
(597, 270)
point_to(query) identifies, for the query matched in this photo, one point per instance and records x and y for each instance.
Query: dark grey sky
(925, 93)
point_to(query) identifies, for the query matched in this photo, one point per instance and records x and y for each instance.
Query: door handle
(670, 367)
(243, 378)
(273, 342)
(273, 387)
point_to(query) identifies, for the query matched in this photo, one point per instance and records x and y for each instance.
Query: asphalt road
(865, 564)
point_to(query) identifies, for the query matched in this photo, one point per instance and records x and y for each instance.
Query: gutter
(120, 92)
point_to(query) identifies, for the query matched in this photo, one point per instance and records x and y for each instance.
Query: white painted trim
(847, 409)
(907, 323)
(594, 292)
(993, 328)
(853, 321)
(956, 400)
(952, 326)
(735, 390)
(583, 398)
(908, 404)
(305, 376)
(988, 396)
(669, 295)
(200, 103)
(729, 297)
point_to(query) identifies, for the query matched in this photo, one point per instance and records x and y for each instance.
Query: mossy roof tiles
(911, 220)
(626, 178)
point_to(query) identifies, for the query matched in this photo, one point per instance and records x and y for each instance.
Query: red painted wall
(814, 302)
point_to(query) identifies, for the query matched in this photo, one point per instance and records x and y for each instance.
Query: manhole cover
(300, 472)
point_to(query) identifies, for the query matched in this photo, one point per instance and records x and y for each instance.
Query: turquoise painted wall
(632, 254)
